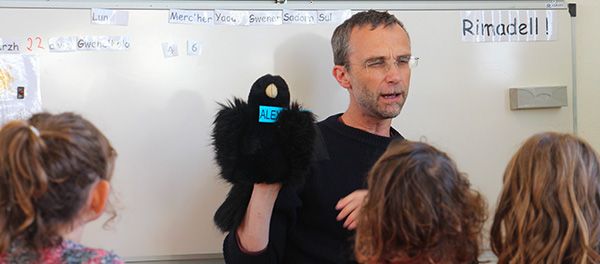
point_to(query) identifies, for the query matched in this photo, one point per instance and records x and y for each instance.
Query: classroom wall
(588, 61)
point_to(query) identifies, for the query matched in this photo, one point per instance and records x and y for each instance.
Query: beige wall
(588, 73)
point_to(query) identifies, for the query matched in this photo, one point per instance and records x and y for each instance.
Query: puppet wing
(297, 136)
(230, 125)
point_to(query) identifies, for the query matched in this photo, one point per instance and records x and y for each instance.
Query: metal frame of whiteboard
(190, 257)
(486, 255)
(388, 5)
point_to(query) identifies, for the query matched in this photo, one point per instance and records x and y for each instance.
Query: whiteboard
(158, 111)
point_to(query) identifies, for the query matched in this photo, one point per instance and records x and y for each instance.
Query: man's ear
(98, 198)
(341, 76)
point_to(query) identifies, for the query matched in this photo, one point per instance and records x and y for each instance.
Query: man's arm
(264, 237)
(253, 232)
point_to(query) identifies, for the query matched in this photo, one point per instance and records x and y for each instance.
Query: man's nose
(396, 72)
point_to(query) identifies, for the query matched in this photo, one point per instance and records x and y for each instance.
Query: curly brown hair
(47, 167)
(419, 209)
(549, 206)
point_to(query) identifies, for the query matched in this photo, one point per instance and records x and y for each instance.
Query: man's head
(372, 54)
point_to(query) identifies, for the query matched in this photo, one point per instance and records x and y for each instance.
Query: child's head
(419, 209)
(548, 211)
(54, 173)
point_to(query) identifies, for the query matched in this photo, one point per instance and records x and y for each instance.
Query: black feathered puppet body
(264, 140)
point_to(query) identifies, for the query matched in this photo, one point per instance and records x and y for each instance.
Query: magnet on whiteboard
(20, 92)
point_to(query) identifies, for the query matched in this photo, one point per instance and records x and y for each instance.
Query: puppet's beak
(271, 91)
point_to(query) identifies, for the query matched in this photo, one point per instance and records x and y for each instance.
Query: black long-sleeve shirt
(303, 226)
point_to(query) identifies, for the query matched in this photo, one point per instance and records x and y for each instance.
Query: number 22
(30, 41)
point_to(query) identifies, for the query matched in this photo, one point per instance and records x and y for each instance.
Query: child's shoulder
(68, 252)
(72, 252)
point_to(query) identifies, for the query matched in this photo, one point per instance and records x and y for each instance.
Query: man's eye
(403, 59)
(375, 64)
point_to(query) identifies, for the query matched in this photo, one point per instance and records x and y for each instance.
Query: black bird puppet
(266, 140)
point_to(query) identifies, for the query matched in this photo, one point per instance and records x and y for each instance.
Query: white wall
(588, 77)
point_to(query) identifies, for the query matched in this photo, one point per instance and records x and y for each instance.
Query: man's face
(378, 80)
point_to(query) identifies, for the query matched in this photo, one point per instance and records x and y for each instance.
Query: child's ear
(98, 198)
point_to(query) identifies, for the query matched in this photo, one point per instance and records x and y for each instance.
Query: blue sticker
(268, 114)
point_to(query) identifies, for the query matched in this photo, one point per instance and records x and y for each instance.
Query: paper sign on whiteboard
(299, 17)
(110, 17)
(103, 43)
(333, 16)
(62, 44)
(10, 46)
(19, 87)
(194, 48)
(197, 17)
(170, 49)
(272, 17)
(508, 25)
(231, 17)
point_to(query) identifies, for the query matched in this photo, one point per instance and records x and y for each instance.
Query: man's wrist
(267, 189)
(243, 249)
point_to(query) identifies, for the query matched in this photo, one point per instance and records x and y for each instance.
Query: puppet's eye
(271, 90)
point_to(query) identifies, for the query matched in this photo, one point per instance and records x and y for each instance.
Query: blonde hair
(419, 209)
(548, 210)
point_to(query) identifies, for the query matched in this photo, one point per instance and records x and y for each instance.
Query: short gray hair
(341, 36)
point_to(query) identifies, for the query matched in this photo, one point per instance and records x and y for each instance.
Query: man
(313, 223)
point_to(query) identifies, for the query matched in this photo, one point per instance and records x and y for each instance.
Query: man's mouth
(391, 95)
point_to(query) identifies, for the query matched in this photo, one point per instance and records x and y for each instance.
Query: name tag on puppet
(268, 114)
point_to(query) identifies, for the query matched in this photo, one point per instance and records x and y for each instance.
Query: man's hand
(350, 208)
